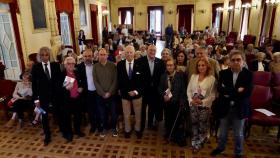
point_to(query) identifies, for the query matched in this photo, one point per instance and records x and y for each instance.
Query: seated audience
(260, 64)
(274, 66)
(181, 62)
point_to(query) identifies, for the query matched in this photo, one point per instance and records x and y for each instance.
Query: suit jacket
(178, 89)
(254, 65)
(151, 82)
(228, 92)
(125, 84)
(45, 90)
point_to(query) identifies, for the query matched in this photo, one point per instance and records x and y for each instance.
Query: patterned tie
(129, 71)
(47, 72)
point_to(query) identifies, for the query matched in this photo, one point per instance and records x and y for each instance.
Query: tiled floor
(28, 143)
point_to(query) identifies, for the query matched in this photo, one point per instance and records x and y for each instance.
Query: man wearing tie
(151, 68)
(46, 87)
(130, 86)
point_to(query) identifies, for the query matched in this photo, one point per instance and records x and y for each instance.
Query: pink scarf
(74, 91)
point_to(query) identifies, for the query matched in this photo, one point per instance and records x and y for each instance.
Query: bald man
(130, 86)
(152, 68)
(85, 70)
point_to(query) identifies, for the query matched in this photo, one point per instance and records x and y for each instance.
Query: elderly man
(130, 86)
(201, 52)
(85, 70)
(235, 88)
(151, 68)
(105, 81)
(46, 87)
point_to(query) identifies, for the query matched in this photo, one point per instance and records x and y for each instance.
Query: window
(65, 29)
(244, 24)
(230, 22)
(155, 21)
(217, 21)
(8, 50)
(128, 18)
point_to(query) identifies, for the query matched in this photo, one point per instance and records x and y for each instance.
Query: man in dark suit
(151, 68)
(85, 70)
(235, 88)
(46, 87)
(130, 86)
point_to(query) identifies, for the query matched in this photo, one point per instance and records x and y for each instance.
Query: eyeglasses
(235, 59)
(71, 63)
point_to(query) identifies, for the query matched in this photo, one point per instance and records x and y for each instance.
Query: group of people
(179, 88)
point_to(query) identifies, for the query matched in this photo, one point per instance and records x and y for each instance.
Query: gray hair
(41, 51)
(166, 49)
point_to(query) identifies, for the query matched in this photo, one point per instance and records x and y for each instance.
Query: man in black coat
(151, 68)
(85, 70)
(46, 87)
(235, 88)
(130, 86)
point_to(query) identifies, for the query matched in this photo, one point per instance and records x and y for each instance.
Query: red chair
(231, 38)
(6, 92)
(249, 39)
(261, 98)
(276, 79)
(261, 78)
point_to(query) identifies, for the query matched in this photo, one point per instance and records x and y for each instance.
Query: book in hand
(168, 93)
(68, 82)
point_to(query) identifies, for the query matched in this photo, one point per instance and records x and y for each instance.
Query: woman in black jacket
(172, 89)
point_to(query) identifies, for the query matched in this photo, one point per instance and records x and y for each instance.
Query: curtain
(94, 31)
(272, 22)
(244, 23)
(185, 16)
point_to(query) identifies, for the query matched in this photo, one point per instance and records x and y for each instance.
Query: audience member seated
(21, 100)
(181, 62)
(259, 64)
(165, 54)
(274, 66)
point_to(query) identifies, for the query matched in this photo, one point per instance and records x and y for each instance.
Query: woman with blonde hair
(201, 93)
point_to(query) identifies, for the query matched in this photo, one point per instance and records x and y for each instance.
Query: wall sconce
(105, 12)
(219, 9)
(272, 2)
(230, 8)
(170, 12)
(248, 5)
(140, 13)
(202, 11)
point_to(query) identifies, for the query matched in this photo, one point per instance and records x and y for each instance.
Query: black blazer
(82, 39)
(126, 85)
(150, 82)
(228, 92)
(254, 65)
(178, 89)
(43, 89)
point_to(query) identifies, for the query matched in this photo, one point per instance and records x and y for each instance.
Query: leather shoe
(80, 134)
(216, 151)
(138, 134)
(127, 134)
(46, 142)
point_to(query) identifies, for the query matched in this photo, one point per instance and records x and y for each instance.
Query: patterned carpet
(28, 143)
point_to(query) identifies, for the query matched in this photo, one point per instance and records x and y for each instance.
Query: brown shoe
(20, 124)
(11, 123)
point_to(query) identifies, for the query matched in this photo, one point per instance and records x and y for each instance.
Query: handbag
(11, 102)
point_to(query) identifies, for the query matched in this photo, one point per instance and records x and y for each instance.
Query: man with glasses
(235, 88)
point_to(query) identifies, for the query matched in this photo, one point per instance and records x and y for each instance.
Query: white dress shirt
(260, 66)
(49, 67)
(90, 83)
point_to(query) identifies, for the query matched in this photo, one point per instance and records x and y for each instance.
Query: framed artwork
(83, 17)
(38, 14)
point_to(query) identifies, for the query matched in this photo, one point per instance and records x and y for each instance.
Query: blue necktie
(129, 71)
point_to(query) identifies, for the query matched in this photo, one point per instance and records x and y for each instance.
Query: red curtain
(68, 7)
(94, 31)
(150, 8)
(123, 11)
(214, 14)
(185, 16)
(272, 22)
(14, 10)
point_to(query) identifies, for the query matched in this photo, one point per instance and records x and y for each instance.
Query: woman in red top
(71, 95)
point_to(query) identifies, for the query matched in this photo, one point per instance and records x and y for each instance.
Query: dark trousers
(45, 121)
(170, 114)
(155, 110)
(20, 106)
(72, 108)
(91, 104)
(105, 106)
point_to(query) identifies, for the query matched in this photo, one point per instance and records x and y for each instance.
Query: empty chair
(261, 78)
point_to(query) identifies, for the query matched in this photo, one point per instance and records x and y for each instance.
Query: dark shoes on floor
(216, 151)
(47, 140)
(139, 134)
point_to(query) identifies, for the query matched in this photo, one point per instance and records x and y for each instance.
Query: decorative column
(55, 37)
(77, 26)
